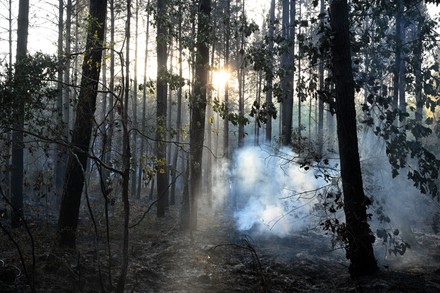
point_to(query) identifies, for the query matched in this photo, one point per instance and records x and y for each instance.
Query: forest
(220, 146)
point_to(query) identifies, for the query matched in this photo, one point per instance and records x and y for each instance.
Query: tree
(126, 154)
(161, 109)
(358, 234)
(269, 80)
(144, 101)
(287, 73)
(198, 107)
(18, 123)
(134, 154)
(82, 130)
(227, 42)
(60, 156)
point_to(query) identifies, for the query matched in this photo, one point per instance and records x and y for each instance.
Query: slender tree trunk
(227, 41)
(402, 67)
(77, 162)
(358, 233)
(7, 154)
(59, 156)
(18, 124)
(241, 78)
(418, 70)
(198, 107)
(111, 116)
(269, 81)
(398, 54)
(258, 100)
(135, 150)
(209, 120)
(186, 198)
(125, 156)
(161, 112)
(321, 89)
(169, 137)
(67, 50)
(144, 102)
(287, 78)
(178, 114)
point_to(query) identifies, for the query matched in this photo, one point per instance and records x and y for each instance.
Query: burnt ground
(213, 259)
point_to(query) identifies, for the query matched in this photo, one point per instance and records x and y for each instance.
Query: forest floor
(215, 258)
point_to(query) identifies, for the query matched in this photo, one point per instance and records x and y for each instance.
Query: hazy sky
(43, 23)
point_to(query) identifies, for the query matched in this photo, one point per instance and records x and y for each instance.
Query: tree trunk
(198, 107)
(269, 81)
(418, 58)
(360, 239)
(125, 156)
(77, 162)
(398, 55)
(241, 76)
(178, 114)
(135, 150)
(66, 103)
(321, 88)
(227, 41)
(18, 123)
(144, 103)
(60, 150)
(401, 65)
(111, 116)
(287, 78)
(161, 110)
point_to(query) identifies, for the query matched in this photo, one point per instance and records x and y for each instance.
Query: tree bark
(321, 88)
(227, 41)
(241, 76)
(18, 123)
(269, 81)
(161, 110)
(126, 155)
(77, 162)
(360, 239)
(287, 78)
(178, 114)
(198, 107)
(144, 102)
(60, 150)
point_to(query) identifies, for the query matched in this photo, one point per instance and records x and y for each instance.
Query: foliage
(263, 112)
(35, 88)
(390, 237)
(223, 110)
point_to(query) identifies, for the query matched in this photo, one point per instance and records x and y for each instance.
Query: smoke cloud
(271, 193)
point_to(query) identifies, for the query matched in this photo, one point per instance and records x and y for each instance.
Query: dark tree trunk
(198, 107)
(126, 155)
(227, 41)
(418, 58)
(321, 88)
(178, 114)
(60, 158)
(269, 81)
(82, 130)
(144, 104)
(17, 134)
(398, 54)
(360, 239)
(135, 154)
(161, 110)
(287, 78)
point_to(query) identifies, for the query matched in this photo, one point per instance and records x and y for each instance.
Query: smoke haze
(271, 193)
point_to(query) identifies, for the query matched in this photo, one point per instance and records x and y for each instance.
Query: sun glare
(219, 78)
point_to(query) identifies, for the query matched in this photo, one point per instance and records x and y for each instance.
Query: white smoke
(271, 193)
